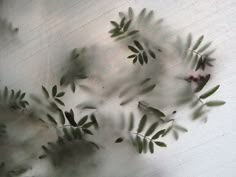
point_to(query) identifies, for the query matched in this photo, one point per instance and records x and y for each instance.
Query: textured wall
(50, 29)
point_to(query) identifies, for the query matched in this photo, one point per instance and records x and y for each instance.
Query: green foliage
(203, 62)
(76, 69)
(121, 29)
(55, 98)
(151, 110)
(175, 129)
(197, 53)
(145, 86)
(214, 103)
(140, 54)
(69, 135)
(13, 99)
(209, 92)
(202, 82)
(145, 137)
(201, 110)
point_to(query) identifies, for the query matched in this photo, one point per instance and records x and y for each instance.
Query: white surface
(50, 29)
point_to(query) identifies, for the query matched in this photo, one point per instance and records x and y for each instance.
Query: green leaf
(114, 30)
(145, 58)
(132, 56)
(203, 48)
(94, 145)
(161, 144)
(145, 145)
(133, 49)
(59, 101)
(180, 128)
(140, 58)
(209, 52)
(142, 14)
(131, 122)
(94, 121)
(139, 144)
(62, 117)
(152, 54)
(86, 131)
(119, 140)
(203, 83)
(87, 125)
(134, 60)
(60, 94)
(54, 106)
(158, 134)
(209, 92)
(83, 120)
(60, 140)
(78, 133)
(72, 113)
(132, 32)
(67, 134)
(176, 135)
(126, 27)
(200, 63)
(148, 89)
(42, 156)
(73, 132)
(12, 94)
(46, 94)
(122, 22)
(151, 129)
(70, 118)
(142, 123)
(46, 149)
(197, 44)
(116, 34)
(5, 94)
(17, 94)
(138, 45)
(151, 147)
(72, 85)
(126, 101)
(54, 90)
(51, 119)
(198, 112)
(189, 41)
(214, 103)
(116, 25)
(62, 80)
(130, 13)
(145, 81)
(156, 112)
(22, 96)
(167, 131)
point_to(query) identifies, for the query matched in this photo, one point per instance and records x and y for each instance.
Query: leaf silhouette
(119, 140)
(70, 118)
(199, 41)
(133, 49)
(142, 123)
(151, 129)
(214, 103)
(209, 92)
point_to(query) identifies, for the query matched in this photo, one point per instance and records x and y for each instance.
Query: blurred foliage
(145, 135)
